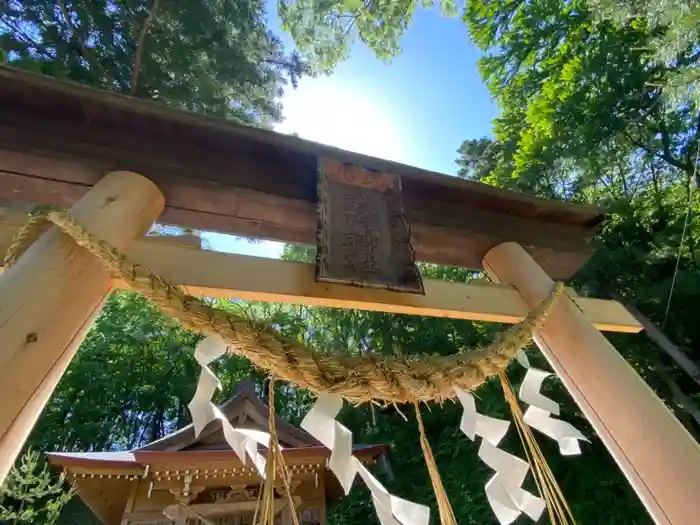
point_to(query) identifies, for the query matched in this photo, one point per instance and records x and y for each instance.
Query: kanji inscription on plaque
(363, 238)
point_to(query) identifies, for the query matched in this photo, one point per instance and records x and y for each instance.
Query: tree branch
(140, 43)
(666, 144)
(638, 143)
(686, 60)
(665, 155)
(69, 22)
(84, 50)
(664, 343)
(26, 39)
(683, 401)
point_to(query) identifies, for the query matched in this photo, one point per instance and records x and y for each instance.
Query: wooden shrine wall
(145, 507)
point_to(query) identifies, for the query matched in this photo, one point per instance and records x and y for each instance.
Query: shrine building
(200, 480)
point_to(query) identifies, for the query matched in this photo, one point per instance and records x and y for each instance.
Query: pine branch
(140, 43)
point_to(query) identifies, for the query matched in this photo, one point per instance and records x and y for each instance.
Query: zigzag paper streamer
(539, 414)
(504, 490)
(320, 422)
(244, 442)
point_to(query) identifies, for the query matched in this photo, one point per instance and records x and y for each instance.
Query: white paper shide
(504, 490)
(244, 442)
(539, 414)
(320, 422)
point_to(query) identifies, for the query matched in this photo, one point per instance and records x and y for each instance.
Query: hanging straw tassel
(447, 515)
(559, 510)
(265, 511)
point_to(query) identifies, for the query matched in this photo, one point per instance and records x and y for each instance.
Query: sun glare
(323, 111)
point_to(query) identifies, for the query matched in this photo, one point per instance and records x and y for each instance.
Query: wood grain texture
(60, 138)
(49, 298)
(212, 274)
(654, 451)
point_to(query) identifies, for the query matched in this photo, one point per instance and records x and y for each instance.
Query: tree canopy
(216, 57)
(325, 31)
(675, 27)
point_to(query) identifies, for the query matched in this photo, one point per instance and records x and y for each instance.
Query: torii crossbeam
(60, 140)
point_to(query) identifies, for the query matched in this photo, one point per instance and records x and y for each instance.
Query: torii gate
(59, 140)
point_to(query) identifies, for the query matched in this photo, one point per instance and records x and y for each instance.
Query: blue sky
(417, 109)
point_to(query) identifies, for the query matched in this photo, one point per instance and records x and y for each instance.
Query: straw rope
(447, 515)
(557, 506)
(25, 237)
(395, 379)
(265, 510)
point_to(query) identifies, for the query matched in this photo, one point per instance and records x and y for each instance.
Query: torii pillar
(654, 451)
(50, 297)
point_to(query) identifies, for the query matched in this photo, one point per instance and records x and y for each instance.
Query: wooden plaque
(363, 238)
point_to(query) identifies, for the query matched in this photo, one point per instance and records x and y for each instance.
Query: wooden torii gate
(58, 140)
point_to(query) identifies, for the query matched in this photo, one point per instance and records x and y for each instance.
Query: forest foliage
(593, 109)
(215, 57)
(32, 494)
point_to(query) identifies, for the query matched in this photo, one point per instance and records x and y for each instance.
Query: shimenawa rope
(447, 515)
(392, 379)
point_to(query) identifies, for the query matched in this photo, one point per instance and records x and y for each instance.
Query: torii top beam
(59, 138)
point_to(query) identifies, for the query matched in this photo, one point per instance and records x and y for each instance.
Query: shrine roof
(141, 458)
(245, 405)
(244, 409)
(60, 138)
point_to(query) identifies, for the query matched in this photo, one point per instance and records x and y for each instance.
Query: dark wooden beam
(57, 139)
